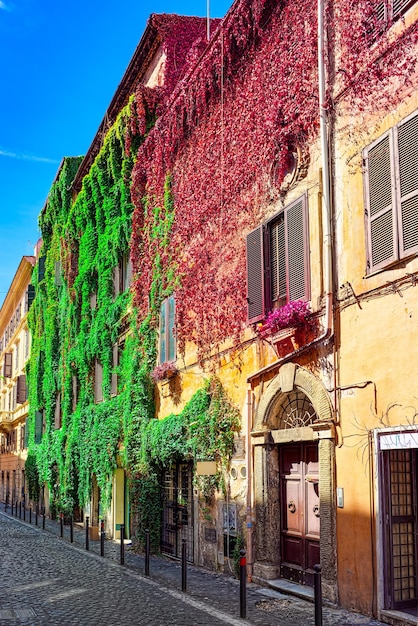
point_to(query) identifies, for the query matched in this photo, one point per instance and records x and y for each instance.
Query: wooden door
(299, 506)
(400, 468)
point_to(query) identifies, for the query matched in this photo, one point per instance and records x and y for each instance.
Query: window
(122, 275)
(21, 389)
(116, 349)
(57, 411)
(98, 380)
(392, 9)
(391, 195)
(7, 365)
(278, 261)
(39, 426)
(167, 348)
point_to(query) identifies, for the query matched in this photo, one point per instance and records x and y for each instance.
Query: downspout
(328, 274)
(326, 209)
(250, 486)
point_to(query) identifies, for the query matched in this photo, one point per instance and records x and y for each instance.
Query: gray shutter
(380, 203)
(277, 259)
(38, 426)
(255, 276)
(8, 362)
(171, 305)
(407, 144)
(296, 250)
(21, 393)
(163, 338)
(115, 363)
(58, 274)
(57, 412)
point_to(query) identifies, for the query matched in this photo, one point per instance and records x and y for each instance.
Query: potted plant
(164, 371)
(284, 324)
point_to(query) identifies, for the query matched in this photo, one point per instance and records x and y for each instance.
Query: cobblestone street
(48, 580)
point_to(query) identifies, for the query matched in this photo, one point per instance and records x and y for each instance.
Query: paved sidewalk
(265, 607)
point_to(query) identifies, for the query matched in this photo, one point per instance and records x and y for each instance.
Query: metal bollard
(20, 510)
(318, 595)
(87, 534)
(6, 503)
(36, 515)
(24, 512)
(61, 525)
(184, 565)
(30, 514)
(122, 544)
(147, 551)
(102, 538)
(71, 529)
(43, 519)
(243, 583)
(12, 505)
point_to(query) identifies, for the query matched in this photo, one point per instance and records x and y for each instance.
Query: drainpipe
(250, 486)
(326, 209)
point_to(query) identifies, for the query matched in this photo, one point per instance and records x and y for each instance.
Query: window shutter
(171, 329)
(255, 275)
(21, 394)
(58, 274)
(380, 216)
(57, 412)
(98, 380)
(407, 143)
(30, 296)
(296, 249)
(278, 260)
(116, 281)
(115, 363)
(7, 369)
(41, 268)
(38, 426)
(163, 338)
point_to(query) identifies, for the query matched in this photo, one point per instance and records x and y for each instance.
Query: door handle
(292, 506)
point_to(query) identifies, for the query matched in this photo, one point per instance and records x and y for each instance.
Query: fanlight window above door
(296, 411)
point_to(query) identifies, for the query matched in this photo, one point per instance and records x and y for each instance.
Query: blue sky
(60, 64)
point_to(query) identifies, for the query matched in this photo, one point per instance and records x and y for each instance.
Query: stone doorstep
(398, 618)
(287, 587)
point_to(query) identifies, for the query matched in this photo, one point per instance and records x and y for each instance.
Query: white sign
(399, 441)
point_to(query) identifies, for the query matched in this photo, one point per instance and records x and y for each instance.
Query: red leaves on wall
(252, 92)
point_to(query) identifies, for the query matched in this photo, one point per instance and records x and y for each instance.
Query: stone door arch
(295, 408)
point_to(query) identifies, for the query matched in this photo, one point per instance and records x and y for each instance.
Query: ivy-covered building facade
(244, 217)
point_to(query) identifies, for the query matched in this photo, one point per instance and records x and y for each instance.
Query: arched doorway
(294, 486)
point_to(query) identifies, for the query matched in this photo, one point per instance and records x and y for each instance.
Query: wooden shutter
(380, 202)
(57, 412)
(21, 393)
(38, 426)
(407, 145)
(30, 296)
(58, 274)
(98, 381)
(171, 318)
(255, 276)
(297, 250)
(41, 268)
(400, 7)
(277, 260)
(115, 363)
(8, 363)
(163, 337)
